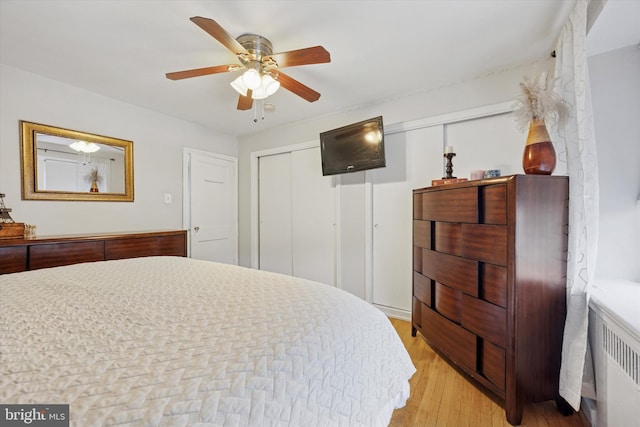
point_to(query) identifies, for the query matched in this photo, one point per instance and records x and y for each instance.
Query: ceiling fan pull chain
(262, 108)
(255, 112)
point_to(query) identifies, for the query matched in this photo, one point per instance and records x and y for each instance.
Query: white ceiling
(379, 49)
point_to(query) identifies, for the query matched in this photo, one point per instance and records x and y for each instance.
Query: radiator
(614, 331)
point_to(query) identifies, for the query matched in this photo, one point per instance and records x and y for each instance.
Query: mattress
(168, 341)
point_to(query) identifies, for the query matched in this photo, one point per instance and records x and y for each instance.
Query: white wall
(157, 152)
(615, 83)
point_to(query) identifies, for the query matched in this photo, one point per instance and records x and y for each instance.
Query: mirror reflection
(73, 165)
(61, 164)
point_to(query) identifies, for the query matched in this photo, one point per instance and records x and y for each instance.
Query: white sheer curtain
(575, 143)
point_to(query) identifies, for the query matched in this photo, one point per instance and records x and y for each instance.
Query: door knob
(196, 228)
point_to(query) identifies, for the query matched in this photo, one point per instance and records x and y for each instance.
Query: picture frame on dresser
(489, 282)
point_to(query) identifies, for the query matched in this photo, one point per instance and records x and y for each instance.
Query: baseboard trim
(394, 312)
(588, 408)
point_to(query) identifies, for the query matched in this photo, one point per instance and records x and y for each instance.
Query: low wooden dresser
(53, 251)
(489, 272)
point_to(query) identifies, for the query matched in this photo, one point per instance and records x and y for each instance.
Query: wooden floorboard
(442, 397)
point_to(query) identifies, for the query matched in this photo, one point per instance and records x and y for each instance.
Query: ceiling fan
(262, 76)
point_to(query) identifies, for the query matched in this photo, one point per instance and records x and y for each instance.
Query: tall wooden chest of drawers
(489, 272)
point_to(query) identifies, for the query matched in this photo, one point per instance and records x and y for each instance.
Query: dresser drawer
(417, 258)
(145, 246)
(492, 363)
(422, 288)
(448, 238)
(486, 243)
(422, 233)
(457, 343)
(455, 205)
(416, 312)
(485, 319)
(494, 204)
(58, 254)
(448, 302)
(13, 259)
(453, 271)
(417, 206)
(493, 284)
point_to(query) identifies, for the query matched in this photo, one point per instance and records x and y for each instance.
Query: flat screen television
(355, 147)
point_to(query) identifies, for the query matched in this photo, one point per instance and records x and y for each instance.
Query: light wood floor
(442, 397)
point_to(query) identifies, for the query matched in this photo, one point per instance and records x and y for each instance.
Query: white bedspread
(173, 342)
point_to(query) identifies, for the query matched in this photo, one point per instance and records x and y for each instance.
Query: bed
(170, 341)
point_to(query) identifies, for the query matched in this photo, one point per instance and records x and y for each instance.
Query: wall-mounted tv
(355, 147)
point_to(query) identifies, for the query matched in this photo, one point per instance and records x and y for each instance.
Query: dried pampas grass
(539, 101)
(93, 176)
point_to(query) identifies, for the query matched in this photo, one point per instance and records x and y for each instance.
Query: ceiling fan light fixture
(251, 79)
(84, 147)
(270, 84)
(259, 93)
(239, 86)
(258, 66)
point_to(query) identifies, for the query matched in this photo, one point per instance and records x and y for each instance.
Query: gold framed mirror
(64, 164)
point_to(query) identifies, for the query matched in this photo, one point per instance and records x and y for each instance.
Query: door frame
(186, 191)
(254, 158)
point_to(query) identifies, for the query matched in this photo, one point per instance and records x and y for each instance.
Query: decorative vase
(539, 155)
(94, 187)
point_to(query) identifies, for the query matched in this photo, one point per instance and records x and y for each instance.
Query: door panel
(274, 206)
(409, 163)
(313, 218)
(213, 208)
(297, 211)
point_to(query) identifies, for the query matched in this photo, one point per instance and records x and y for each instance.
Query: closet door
(297, 211)
(313, 218)
(275, 213)
(413, 160)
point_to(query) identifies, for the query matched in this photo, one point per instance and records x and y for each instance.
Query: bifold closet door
(297, 210)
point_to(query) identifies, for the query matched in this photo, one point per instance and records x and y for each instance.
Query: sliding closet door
(313, 218)
(275, 213)
(297, 216)
(413, 160)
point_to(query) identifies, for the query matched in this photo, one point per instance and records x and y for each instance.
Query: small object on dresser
(444, 181)
(449, 166)
(9, 229)
(536, 106)
(492, 173)
(29, 231)
(476, 174)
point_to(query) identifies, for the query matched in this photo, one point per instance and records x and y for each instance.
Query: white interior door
(410, 164)
(212, 206)
(274, 206)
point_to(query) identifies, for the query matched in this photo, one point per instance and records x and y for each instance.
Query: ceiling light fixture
(84, 147)
(261, 83)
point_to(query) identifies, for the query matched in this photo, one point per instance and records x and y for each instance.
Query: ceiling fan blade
(298, 88)
(310, 55)
(220, 34)
(245, 102)
(178, 75)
